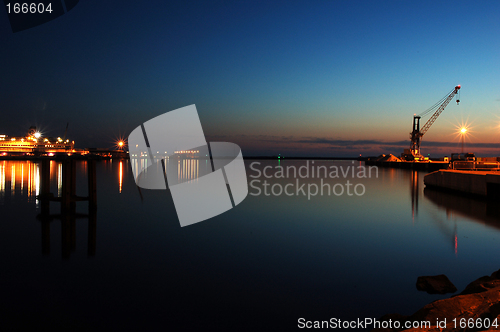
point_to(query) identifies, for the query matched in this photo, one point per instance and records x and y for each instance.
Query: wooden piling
(91, 175)
(68, 201)
(45, 187)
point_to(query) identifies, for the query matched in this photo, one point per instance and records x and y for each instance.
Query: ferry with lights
(35, 144)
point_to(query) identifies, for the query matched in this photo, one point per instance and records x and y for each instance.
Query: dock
(478, 183)
(429, 166)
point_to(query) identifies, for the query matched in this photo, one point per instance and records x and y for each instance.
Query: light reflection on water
(28, 173)
(21, 178)
(120, 177)
(187, 169)
(270, 260)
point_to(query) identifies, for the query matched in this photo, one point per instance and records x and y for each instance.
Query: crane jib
(417, 133)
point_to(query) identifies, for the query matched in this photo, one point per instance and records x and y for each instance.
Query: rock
(483, 284)
(479, 300)
(439, 284)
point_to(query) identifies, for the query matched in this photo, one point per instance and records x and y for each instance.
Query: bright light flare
(463, 132)
(120, 144)
(464, 128)
(37, 135)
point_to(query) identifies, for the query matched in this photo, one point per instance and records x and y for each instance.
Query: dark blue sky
(329, 78)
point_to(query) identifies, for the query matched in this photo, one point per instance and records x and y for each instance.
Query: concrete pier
(482, 183)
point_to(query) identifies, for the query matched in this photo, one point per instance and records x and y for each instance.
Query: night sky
(304, 78)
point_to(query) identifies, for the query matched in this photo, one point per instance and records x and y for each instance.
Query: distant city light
(120, 143)
(33, 140)
(186, 151)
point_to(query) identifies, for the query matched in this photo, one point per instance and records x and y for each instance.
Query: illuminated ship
(34, 143)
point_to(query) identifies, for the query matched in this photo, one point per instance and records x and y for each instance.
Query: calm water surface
(260, 266)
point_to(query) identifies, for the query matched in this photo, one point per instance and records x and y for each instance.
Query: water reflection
(120, 176)
(68, 232)
(19, 178)
(187, 169)
(66, 185)
(289, 250)
(414, 193)
(475, 209)
(50, 186)
(2, 179)
(33, 182)
(450, 233)
(59, 179)
(479, 210)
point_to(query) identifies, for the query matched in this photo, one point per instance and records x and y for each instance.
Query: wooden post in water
(66, 187)
(44, 199)
(91, 247)
(72, 204)
(68, 201)
(91, 175)
(45, 187)
(92, 231)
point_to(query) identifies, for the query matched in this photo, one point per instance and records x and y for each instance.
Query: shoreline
(477, 304)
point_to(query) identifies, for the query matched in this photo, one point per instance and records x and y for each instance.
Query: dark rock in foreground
(477, 304)
(439, 284)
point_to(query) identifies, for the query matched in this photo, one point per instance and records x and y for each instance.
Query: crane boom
(434, 116)
(66, 131)
(417, 133)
